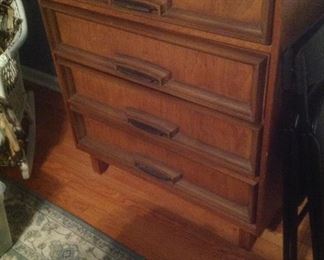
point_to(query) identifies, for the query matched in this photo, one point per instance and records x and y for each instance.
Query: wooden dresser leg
(98, 166)
(246, 240)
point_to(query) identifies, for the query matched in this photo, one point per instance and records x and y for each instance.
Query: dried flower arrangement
(11, 134)
(9, 24)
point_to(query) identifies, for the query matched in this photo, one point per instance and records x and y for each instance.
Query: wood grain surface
(204, 101)
(143, 217)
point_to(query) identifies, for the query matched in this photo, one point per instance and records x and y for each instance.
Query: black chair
(303, 140)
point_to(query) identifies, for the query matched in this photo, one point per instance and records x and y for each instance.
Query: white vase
(5, 236)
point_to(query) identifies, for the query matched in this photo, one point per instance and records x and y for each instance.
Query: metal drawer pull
(140, 71)
(158, 7)
(151, 124)
(157, 170)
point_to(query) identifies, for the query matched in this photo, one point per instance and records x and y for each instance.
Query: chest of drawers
(181, 93)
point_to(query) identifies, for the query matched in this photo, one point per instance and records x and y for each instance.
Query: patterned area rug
(42, 231)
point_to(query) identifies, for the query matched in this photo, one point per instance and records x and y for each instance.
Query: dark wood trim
(51, 30)
(246, 239)
(98, 166)
(67, 82)
(267, 25)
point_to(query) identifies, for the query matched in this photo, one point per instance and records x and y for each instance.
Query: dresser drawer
(228, 80)
(245, 19)
(202, 183)
(227, 142)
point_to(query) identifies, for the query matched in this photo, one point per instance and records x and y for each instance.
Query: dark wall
(35, 53)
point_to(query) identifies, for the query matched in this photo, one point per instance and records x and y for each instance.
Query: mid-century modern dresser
(183, 93)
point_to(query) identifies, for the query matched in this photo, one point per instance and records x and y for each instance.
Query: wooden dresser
(183, 93)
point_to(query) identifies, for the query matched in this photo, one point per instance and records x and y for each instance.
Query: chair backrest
(304, 72)
(303, 106)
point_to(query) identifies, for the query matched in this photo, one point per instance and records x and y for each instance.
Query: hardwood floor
(148, 221)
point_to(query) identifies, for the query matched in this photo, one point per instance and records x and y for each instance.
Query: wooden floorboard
(148, 221)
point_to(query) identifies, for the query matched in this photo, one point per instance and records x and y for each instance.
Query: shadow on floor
(50, 122)
(181, 239)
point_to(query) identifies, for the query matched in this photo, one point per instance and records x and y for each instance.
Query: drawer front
(196, 180)
(245, 19)
(228, 80)
(228, 142)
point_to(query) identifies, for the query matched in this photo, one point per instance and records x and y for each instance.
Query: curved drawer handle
(157, 170)
(158, 7)
(151, 124)
(140, 71)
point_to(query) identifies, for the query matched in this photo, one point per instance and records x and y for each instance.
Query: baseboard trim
(40, 78)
